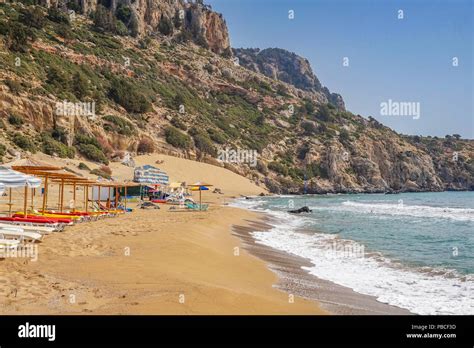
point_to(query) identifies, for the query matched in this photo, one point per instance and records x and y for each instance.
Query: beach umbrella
(200, 186)
(12, 179)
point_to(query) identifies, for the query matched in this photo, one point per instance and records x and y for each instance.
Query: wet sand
(295, 280)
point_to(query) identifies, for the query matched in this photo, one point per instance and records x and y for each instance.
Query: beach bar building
(149, 175)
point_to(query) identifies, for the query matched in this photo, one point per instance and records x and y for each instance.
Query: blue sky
(408, 60)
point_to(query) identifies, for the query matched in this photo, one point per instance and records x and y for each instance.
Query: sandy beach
(161, 261)
(150, 261)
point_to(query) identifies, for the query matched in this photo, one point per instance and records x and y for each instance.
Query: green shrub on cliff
(124, 94)
(119, 125)
(217, 136)
(145, 145)
(178, 123)
(3, 150)
(92, 153)
(315, 169)
(165, 26)
(100, 172)
(33, 17)
(90, 148)
(50, 146)
(14, 86)
(177, 138)
(83, 166)
(104, 19)
(278, 168)
(324, 114)
(80, 86)
(23, 142)
(57, 16)
(15, 120)
(57, 78)
(19, 36)
(123, 13)
(204, 144)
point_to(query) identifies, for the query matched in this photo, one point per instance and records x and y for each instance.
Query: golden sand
(150, 261)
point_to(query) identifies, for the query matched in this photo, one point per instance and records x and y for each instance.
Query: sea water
(411, 250)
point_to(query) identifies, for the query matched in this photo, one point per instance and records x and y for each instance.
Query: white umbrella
(12, 179)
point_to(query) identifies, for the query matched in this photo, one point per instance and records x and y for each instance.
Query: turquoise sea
(412, 250)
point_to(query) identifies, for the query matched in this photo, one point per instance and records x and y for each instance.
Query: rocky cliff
(286, 66)
(144, 17)
(163, 91)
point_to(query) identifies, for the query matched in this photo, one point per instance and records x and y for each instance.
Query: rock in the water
(304, 209)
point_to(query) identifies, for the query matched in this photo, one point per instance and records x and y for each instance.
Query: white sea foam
(250, 204)
(395, 209)
(420, 290)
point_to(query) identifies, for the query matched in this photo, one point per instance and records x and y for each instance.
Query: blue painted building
(150, 175)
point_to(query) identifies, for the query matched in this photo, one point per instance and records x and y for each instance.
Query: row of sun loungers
(31, 227)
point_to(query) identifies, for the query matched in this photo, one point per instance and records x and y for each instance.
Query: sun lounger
(197, 206)
(173, 201)
(19, 234)
(26, 228)
(80, 216)
(8, 244)
(52, 215)
(72, 213)
(40, 218)
(109, 212)
(20, 221)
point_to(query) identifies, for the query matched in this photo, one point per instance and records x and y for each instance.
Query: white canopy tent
(10, 178)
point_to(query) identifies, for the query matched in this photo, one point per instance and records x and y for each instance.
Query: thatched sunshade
(32, 169)
(116, 185)
(57, 175)
(74, 181)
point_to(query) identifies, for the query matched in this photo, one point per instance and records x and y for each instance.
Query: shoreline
(179, 263)
(293, 279)
(148, 261)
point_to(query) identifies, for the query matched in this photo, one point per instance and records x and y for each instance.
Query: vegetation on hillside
(151, 91)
